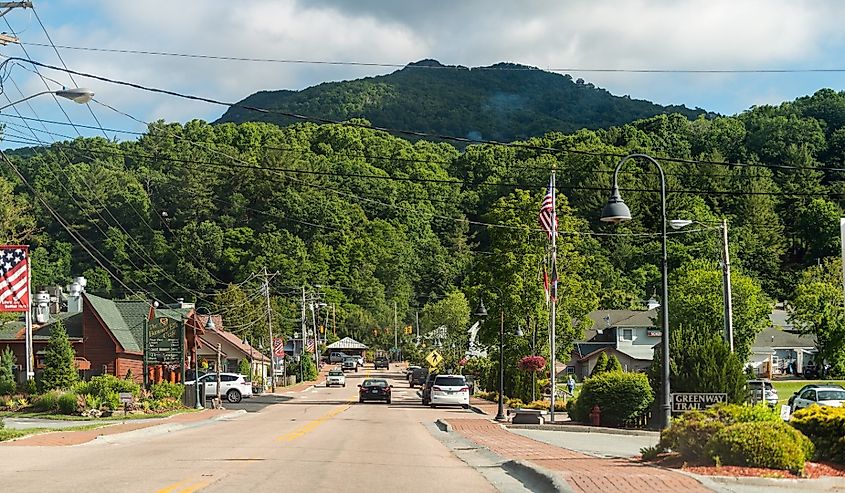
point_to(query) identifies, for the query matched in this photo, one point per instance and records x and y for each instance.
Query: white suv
(336, 377)
(232, 386)
(449, 390)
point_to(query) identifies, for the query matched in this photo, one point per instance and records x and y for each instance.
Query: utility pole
(726, 281)
(395, 334)
(304, 334)
(218, 373)
(270, 329)
(417, 316)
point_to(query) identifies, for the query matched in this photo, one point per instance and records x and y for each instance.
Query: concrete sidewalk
(582, 472)
(64, 438)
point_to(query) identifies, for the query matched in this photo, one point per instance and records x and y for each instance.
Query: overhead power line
(503, 67)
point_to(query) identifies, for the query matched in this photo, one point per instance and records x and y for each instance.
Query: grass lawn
(7, 434)
(786, 388)
(118, 416)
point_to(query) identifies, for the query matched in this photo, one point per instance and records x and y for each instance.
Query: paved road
(320, 440)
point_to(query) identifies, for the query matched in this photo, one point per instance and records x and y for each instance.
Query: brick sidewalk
(582, 472)
(321, 378)
(64, 438)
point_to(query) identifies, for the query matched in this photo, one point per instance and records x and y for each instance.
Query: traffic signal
(409, 330)
(322, 329)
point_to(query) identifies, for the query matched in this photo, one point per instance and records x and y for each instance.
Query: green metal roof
(174, 313)
(72, 322)
(112, 314)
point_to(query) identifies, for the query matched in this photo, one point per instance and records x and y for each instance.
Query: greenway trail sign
(164, 341)
(696, 401)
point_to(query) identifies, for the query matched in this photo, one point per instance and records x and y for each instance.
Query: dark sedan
(374, 389)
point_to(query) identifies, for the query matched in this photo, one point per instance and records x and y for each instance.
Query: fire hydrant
(595, 415)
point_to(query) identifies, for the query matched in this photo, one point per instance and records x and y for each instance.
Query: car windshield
(336, 373)
(450, 381)
(375, 383)
(831, 395)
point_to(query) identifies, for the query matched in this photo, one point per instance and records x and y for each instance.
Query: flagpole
(554, 301)
(30, 370)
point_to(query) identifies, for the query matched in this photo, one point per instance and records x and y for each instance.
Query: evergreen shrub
(620, 396)
(825, 427)
(774, 445)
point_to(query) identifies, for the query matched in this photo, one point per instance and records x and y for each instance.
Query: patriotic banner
(554, 281)
(310, 346)
(546, 283)
(279, 346)
(14, 278)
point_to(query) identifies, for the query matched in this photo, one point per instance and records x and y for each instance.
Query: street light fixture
(79, 95)
(726, 272)
(481, 312)
(616, 211)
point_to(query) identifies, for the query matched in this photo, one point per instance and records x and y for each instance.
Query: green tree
(59, 368)
(244, 367)
(816, 308)
(700, 362)
(7, 375)
(601, 364)
(613, 364)
(696, 303)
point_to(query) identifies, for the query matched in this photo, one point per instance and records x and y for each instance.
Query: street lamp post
(77, 95)
(209, 325)
(615, 211)
(481, 312)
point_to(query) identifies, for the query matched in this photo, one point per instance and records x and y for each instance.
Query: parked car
(761, 390)
(336, 377)
(233, 386)
(417, 377)
(791, 401)
(374, 389)
(382, 362)
(350, 363)
(426, 388)
(449, 390)
(823, 396)
(409, 370)
(337, 356)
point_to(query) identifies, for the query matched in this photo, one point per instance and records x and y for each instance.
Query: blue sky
(635, 34)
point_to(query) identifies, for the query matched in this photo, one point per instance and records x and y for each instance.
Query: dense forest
(502, 102)
(196, 210)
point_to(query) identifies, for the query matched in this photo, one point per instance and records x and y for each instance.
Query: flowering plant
(462, 362)
(532, 363)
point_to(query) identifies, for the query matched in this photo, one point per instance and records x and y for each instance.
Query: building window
(570, 370)
(627, 334)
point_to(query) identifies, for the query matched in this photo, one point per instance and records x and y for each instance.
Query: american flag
(548, 217)
(14, 279)
(279, 346)
(310, 346)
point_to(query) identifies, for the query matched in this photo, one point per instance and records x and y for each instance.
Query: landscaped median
(743, 440)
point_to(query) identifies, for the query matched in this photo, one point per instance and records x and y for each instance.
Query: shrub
(621, 397)
(104, 384)
(514, 403)
(825, 427)
(59, 367)
(46, 402)
(601, 364)
(560, 405)
(165, 390)
(531, 363)
(689, 434)
(7, 376)
(67, 403)
(613, 364)
(775, 445)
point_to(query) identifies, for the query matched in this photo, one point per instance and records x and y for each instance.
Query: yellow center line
(313, 425)
(172, 487)
(195, 487)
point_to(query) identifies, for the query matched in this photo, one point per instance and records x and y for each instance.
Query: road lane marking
(172, 487)
(312, 425)
(190, 488)
(195, 487)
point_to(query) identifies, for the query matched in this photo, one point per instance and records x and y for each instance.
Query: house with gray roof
(630, 335)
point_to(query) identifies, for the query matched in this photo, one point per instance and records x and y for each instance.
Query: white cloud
(548, 34)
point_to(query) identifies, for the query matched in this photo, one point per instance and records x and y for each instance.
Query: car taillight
(436, 388)
(464, 389)
(387, 389)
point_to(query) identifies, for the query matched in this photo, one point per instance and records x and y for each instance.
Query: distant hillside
(513, 102)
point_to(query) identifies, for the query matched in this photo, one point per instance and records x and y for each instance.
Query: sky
(584, 38)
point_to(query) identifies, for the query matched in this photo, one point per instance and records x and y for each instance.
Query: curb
(443, 425)
(537, 476)
(164, 428)
(477, 409)
(585, 429)
(727, 483)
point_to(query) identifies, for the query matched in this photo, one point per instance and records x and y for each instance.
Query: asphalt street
(320, 439)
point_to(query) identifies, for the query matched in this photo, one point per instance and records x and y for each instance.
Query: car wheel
(465, 406)
(360, 401)
(412, 384)
(344, 385)
(388, 401)
(233, 396)
(433, 406)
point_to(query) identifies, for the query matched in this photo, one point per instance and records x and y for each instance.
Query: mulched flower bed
(811, 469)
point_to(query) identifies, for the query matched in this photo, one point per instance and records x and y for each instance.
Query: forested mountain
(377, 219)
(503, 102)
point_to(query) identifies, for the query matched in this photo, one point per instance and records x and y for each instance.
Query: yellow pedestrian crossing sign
(434, 358)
